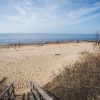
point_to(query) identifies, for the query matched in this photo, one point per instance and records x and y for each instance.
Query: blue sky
(49, 16)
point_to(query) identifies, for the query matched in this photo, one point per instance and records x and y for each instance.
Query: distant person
(78, 41)
(57, 41)
(15, 45)
(19, 45)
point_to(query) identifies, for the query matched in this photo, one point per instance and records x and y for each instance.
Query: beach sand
(38, 63)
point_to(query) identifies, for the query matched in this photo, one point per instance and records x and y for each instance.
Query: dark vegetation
(80, 81)
(3, 84)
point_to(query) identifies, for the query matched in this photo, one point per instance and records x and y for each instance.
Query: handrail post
(13, 90)
(8, 95)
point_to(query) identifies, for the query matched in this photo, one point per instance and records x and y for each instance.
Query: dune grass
(80, 81)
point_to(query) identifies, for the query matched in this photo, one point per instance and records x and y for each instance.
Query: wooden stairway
(36, 93)
(27, 96)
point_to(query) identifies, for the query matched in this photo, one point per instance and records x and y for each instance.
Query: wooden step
(27, 96)
(19, 97)
(31, 97)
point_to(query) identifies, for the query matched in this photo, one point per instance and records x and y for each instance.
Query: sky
(49, 16)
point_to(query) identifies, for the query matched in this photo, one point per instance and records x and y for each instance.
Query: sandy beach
(38, 63)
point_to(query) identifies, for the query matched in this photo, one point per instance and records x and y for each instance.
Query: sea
(29, 38)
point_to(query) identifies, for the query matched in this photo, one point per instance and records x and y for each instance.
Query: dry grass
(80, 81)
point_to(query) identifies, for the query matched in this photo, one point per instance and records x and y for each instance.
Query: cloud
(48, 14)
(20, 10)
(80, 12)
(50, 9)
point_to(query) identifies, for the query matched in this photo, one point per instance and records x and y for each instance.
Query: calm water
(8, 38)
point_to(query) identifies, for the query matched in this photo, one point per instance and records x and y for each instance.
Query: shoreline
(41, 43)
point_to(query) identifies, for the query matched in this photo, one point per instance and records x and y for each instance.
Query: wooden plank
(35, 95)
(18, 97)
(23, 97)
(28, 96)
(32, 97)
(42, 93)
(4, 92)
(7, 91)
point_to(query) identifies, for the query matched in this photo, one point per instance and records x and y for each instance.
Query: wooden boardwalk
(36, 93)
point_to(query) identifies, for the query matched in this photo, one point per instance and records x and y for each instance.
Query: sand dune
(38, 63)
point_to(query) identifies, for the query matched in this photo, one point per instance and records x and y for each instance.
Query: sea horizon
(28, 38)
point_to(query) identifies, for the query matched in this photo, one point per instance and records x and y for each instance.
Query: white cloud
(20, 10)
(80, 12)
(45, 15)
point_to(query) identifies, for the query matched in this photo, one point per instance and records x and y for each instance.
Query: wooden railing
(8, 93)
(38, 93)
